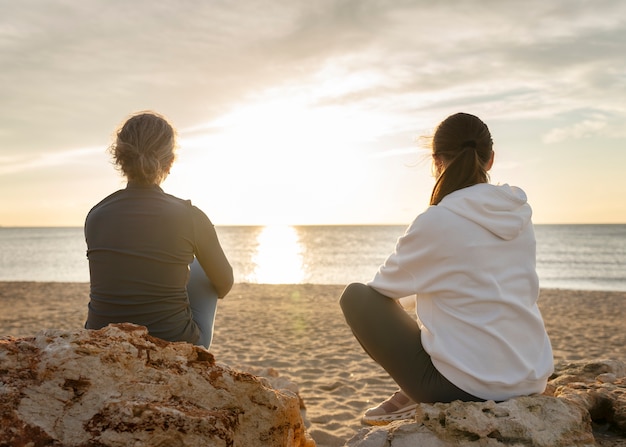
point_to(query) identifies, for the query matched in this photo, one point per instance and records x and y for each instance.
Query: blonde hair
(462, 144)
(144, 148)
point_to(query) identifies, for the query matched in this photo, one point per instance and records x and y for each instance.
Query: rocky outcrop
(120, 387)
(579, 397)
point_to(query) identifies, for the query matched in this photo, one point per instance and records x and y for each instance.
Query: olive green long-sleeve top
(140, 242)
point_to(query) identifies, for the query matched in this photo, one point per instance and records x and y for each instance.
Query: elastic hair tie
(469, 143)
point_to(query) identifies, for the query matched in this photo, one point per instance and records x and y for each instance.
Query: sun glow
(283, 127)
(282, 154)
(278, 257)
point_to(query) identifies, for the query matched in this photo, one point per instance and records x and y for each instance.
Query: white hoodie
(471, 262)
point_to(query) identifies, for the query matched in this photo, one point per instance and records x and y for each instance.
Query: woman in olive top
(154, 259)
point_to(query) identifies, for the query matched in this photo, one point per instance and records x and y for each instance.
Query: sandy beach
(299, 331)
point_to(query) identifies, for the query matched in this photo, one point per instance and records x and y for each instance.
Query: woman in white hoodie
(470, 261)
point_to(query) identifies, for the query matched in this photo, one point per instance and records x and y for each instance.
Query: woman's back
(141, 242)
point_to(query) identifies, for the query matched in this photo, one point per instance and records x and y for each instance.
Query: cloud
(73, 70)
(23, 163)
(514, 61)
(598, 126)
(360, 79)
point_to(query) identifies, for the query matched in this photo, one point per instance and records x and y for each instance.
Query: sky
(312, 112)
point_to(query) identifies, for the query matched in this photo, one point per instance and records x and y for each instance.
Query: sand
(299, 331)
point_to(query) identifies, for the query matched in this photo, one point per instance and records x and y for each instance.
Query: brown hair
(144, 148)
(462, 144)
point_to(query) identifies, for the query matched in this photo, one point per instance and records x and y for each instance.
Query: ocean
(576, 257)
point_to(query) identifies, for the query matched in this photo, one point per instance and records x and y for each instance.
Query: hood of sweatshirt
(501, 209)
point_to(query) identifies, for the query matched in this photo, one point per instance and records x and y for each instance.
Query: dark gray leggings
(392, 338)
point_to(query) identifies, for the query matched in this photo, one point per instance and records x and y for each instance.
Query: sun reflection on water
(278, 257)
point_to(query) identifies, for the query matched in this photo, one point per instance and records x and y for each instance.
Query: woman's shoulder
(428, 225)
(188, 207)
(432, 217)
(177, 201)
(105, 201)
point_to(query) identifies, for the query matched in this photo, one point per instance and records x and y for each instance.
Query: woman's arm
(211, 255)
(412, 264)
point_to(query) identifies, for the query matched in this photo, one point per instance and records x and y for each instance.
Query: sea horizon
(569, 256)
(329, 225)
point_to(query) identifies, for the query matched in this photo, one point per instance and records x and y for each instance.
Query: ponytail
(462, 144)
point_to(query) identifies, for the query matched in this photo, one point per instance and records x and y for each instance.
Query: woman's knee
(351, 295)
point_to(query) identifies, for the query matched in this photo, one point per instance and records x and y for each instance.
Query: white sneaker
(398, 406)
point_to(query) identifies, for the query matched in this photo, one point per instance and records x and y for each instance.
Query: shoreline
(299, 330)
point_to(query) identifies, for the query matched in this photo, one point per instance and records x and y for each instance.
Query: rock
(397, 434)
(599, 387)
(273, 379)
(539, 421)
(580, 371)
(118, 386)
(579, 396)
